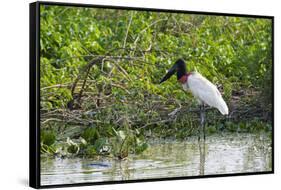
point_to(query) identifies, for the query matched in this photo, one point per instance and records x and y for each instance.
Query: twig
(85, 68)
(173, 113)
(143, 30)
(123, 71)
(119, 86)
(157, 122)
(128, 28)
(82, 89)
(57, 86)
(51, 119)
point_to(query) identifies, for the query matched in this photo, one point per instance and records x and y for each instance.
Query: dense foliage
(123, 89)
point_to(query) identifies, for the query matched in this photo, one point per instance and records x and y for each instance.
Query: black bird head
(178, 67)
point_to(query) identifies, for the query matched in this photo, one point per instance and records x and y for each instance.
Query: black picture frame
(34, 93)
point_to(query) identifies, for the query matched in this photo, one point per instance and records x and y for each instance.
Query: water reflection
(217, 154)
(201, 146)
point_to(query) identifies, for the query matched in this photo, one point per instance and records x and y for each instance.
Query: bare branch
(128, 28)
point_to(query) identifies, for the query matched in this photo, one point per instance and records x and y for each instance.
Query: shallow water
(220, 154)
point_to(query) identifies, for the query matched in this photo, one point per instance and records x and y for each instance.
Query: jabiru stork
(205, 91)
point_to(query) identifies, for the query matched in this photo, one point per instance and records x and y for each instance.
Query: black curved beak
(169, 74)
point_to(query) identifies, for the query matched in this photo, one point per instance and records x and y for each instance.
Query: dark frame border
(34, 93)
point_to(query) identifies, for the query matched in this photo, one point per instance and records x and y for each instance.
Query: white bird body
(205, 91)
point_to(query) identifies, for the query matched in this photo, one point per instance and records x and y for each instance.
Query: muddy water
(218, 154)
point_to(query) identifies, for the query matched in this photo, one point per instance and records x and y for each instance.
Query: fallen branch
(67, 85)
(157, 122)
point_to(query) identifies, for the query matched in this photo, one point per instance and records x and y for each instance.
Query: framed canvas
(122, 94)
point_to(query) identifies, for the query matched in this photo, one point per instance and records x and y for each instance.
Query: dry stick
(57, 86)
(73, 57)
(75, 83)
(51, 119)
(121, 147)
(89, 65)
(157, 122)
(123, 71)
(99, 59)
(143, 30)
(69, 117)
(118, 57)
(112, 84)
(130, 21)
(119, 86)
(83, 85)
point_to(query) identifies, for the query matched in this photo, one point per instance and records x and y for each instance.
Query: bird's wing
(206, 92)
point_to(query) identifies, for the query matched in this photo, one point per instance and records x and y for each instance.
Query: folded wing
(206, 92)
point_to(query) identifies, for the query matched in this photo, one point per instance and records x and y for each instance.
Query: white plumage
(205, 91)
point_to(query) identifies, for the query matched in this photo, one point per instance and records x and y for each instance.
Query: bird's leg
(199, 128)
(201, 143)
(202, 120)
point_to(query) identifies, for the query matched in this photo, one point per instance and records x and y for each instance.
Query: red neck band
(184, 78)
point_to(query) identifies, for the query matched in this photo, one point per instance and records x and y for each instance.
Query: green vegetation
(100, 71)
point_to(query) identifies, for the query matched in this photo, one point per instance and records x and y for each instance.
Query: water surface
(220, 154)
